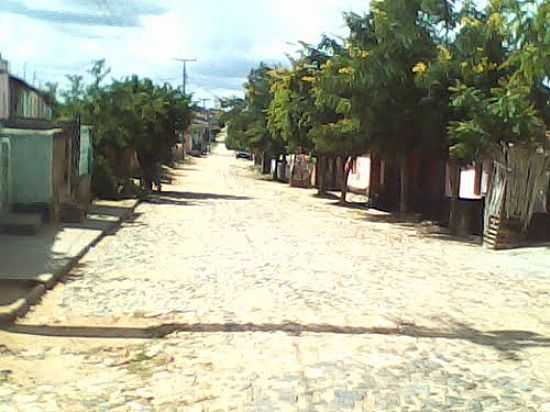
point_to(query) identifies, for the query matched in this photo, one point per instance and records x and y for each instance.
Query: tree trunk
(322, 176)
(454, 213)
(146, 164)
(266, 164)
(345, 177)
(404, 197)
(334, 172)
(284, 164)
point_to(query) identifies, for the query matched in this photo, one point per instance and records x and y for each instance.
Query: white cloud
(227, 37)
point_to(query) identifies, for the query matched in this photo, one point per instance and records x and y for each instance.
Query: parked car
(243, 155)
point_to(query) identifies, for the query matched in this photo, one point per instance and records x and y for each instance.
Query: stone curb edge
(20, 307)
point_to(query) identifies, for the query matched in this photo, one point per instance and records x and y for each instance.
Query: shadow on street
(508, 342)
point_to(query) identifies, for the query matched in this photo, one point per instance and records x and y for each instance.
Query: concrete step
(21, 223)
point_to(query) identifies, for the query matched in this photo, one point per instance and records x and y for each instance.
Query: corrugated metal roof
(26, 85)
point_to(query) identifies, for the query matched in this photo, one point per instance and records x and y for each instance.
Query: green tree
(233, 118)
(247, 118)
(292, 112)
(386, 47)
(336, 131)
(127, 113)
(491, 80)
(501, 92)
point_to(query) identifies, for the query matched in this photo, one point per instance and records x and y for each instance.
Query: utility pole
(184, 74)
(207, 119)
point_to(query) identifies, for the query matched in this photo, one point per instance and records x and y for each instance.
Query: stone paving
(281, 301)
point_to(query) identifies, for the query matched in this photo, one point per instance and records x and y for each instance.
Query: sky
(46, 39)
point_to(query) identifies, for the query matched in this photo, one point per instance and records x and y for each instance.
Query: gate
(75, 145)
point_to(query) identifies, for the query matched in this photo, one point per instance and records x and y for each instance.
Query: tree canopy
(126, 113)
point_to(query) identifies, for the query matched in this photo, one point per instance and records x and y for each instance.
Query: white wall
(467, 182)
(360, 180)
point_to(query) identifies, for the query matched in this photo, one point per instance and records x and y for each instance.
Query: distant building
(199, 134)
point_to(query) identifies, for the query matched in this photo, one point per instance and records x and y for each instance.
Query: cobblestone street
(230, 292)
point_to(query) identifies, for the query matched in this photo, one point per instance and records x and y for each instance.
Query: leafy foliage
(130, 113)
(247, 119)
(496, 71)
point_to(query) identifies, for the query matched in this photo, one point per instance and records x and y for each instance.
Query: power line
(211, 93)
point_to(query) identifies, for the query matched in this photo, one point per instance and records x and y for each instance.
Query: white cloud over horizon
(58, 37)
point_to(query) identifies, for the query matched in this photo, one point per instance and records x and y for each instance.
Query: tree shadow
(75, 275)
(161, 200)
(133, 220)
(101, 218)
(330, 196)
(381, 216)
(533, 245)
(94, 224)
(13, 290)
(447, 237)
(199, 196)
(185, 168)
(351, 205)
(509, 343)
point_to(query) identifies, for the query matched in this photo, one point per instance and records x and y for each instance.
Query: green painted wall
(31, 165)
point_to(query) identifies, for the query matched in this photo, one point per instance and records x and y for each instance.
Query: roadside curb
(19, 308)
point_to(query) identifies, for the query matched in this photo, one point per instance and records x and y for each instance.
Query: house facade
(430, 190)
(43, 165)
(380, 179)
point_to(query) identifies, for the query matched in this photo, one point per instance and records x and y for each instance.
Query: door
(5, 175)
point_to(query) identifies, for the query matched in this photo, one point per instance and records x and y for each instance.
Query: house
(430, 189)
(45, 167)
(380, 179)
(46, 172)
